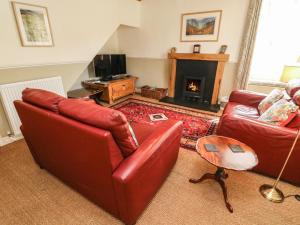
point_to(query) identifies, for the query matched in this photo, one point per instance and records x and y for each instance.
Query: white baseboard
(7, 140)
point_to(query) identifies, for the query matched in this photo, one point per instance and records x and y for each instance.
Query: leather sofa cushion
(144, 130)
(42, 98)
(101, 117)
(241, 110)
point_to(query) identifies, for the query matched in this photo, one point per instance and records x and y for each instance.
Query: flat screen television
(106, 66)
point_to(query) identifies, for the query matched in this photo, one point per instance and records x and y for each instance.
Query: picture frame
(196, 48)
(223, 49)
(200, 26)
(33, 25)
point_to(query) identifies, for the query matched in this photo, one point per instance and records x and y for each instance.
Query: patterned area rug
(195, 124)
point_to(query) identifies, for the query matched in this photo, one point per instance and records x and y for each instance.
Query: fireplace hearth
(195, 80)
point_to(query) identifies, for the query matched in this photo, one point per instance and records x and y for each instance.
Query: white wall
(147, 47)
(112, 44)
(129, 12)
(160, 28)
(79, 29)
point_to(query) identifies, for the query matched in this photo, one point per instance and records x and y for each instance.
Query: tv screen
(108, 65)
(118, 64)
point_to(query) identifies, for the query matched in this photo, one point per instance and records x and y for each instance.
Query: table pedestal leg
(219, 176)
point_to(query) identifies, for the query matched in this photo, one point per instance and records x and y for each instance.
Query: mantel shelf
(197, 56)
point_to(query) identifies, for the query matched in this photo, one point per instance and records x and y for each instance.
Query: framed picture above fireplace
(200, 26)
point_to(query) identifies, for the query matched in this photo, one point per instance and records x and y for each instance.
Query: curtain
(248, 44)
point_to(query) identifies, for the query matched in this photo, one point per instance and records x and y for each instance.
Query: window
(278, 40)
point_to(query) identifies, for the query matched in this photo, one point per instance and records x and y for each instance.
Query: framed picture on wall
(33, 24)
(200, 26)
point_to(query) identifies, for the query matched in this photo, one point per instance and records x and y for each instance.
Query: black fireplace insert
(194, 84)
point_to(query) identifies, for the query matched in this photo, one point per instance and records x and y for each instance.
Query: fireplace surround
(195, 80)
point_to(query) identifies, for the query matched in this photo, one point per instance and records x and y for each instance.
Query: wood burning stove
(194, 84)
(193, 88)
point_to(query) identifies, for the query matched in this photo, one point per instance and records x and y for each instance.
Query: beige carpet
(31, 196)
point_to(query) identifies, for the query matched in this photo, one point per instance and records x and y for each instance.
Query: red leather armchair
(271, 143)
(90, 148)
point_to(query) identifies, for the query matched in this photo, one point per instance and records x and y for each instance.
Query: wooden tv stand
(114, 89)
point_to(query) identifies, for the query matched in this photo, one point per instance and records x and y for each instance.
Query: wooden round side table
(224, 158)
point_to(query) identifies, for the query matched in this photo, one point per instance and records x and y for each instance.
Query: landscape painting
(33, 25)
(205, 26)
(202, 26)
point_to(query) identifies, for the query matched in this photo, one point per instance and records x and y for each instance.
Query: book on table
(157, 117)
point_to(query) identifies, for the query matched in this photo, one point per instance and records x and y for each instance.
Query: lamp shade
(289, 73)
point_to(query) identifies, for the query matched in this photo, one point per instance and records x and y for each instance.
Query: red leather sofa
(271, 143)
(91, 149)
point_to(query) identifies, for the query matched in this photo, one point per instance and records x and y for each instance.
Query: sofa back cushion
(274, 96)
(42, 98)
(104, 118)
(280, 113)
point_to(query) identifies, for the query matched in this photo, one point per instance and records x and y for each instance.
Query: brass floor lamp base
(272, 194)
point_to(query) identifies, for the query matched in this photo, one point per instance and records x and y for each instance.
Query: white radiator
(11, 92)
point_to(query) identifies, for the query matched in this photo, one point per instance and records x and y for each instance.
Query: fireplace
(196, 74)
(193, 88)
(195, 80)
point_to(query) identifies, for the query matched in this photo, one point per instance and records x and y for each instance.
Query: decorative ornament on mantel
(223, 49)
(196, 48)
(173, 50)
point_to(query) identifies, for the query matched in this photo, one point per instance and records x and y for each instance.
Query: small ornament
(173, 50)
(196, 48)
(223, 49)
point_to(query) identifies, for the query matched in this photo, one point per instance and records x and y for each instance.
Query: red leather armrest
(140, 175)
(271, 144)
(246, 97)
